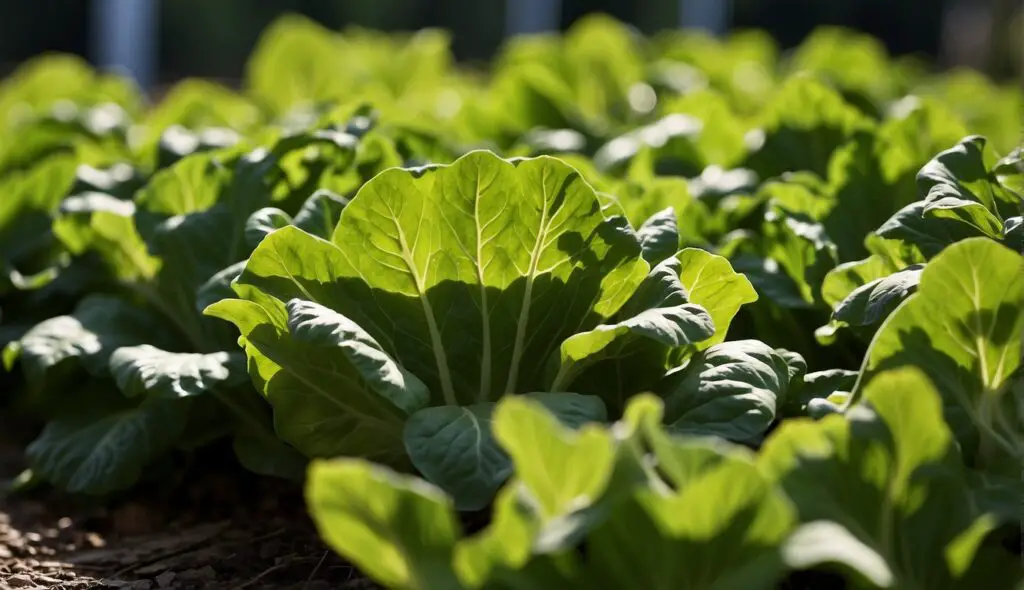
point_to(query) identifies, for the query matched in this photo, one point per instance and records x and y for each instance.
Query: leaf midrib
(524, 310)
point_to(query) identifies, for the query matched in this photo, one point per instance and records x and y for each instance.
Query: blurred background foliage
(213, 38)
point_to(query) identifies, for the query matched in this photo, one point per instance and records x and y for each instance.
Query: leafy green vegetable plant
(445, 288)
(845, 494)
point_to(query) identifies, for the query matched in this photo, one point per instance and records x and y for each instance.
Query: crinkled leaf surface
(100, 325)
(659, 236)
(454, 446)
(105, 447)
(334, 389)
(145, 370)
(960, 172)
(616, 360)
(732, 390)
(468, 266)
(872, 302)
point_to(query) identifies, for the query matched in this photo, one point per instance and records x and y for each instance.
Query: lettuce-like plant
(877, 499)
(150, 372)
(445, 288)
(961, 197)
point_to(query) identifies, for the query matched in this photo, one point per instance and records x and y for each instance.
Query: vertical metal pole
(532, 16)
(124, 37)
(710, 15)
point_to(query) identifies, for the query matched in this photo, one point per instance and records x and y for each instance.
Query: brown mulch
(210, 526)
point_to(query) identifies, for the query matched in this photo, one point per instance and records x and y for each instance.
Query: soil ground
(209, 526)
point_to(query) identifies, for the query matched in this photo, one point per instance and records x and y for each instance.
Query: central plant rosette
(442, 289)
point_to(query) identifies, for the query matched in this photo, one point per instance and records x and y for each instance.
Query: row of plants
(666, 312)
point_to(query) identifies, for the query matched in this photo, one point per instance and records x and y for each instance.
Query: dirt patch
(217, 527)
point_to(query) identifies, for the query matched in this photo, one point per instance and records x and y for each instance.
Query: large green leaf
(399, 530)
(618, 359)
(469, 275)
(733, 390)
(562, 471)
(722, 531)
(454, 447)
(891, 475)
(961, 172)
(963, 328)
(145, 370)
(105, 446)
(334, 389)
(100, 325)
(713, 284)
(961, 198)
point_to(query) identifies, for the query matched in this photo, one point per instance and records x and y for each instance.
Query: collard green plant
(961, 197)
(160, 374)
(445, 288)
(842, 495)
(890, 473)
(963, 328)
